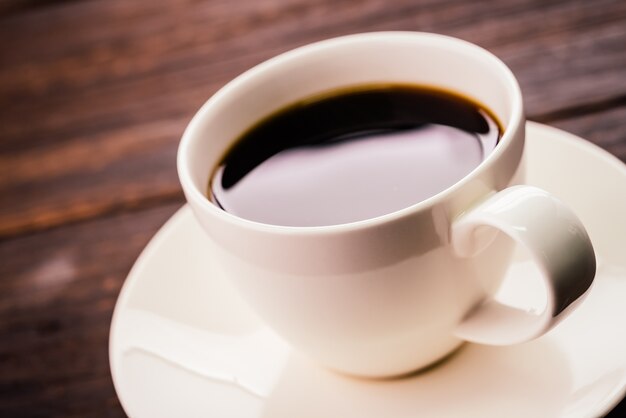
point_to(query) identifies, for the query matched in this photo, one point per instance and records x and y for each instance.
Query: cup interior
(386, 57)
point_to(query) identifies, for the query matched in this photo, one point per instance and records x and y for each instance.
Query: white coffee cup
(391, 294)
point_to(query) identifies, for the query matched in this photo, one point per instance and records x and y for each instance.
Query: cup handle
(556, 240)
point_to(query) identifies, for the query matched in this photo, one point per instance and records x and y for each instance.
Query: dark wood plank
(125, 42)
(127, 58)
(89, 176)
(606, 129)
(95, 94)
(8, 7)
(58, 289)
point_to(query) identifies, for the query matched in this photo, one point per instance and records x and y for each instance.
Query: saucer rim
(532, 128)
(619, 394)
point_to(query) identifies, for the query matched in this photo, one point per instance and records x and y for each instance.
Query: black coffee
(352, 155)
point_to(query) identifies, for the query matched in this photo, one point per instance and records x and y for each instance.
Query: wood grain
(96, 93)
(606, 129)
(90, 122)
(8, 7)
(58, 290)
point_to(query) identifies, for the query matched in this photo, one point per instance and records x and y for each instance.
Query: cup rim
(190, 135)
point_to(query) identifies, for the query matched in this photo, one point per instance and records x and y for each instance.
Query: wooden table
(94, 95)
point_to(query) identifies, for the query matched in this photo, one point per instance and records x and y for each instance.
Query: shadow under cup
(378, 297)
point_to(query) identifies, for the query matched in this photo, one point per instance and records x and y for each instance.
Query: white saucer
(184, 345)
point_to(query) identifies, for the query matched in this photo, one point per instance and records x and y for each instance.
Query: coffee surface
(352, 155)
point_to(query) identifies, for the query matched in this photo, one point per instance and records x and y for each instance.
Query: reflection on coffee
(353, 154)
